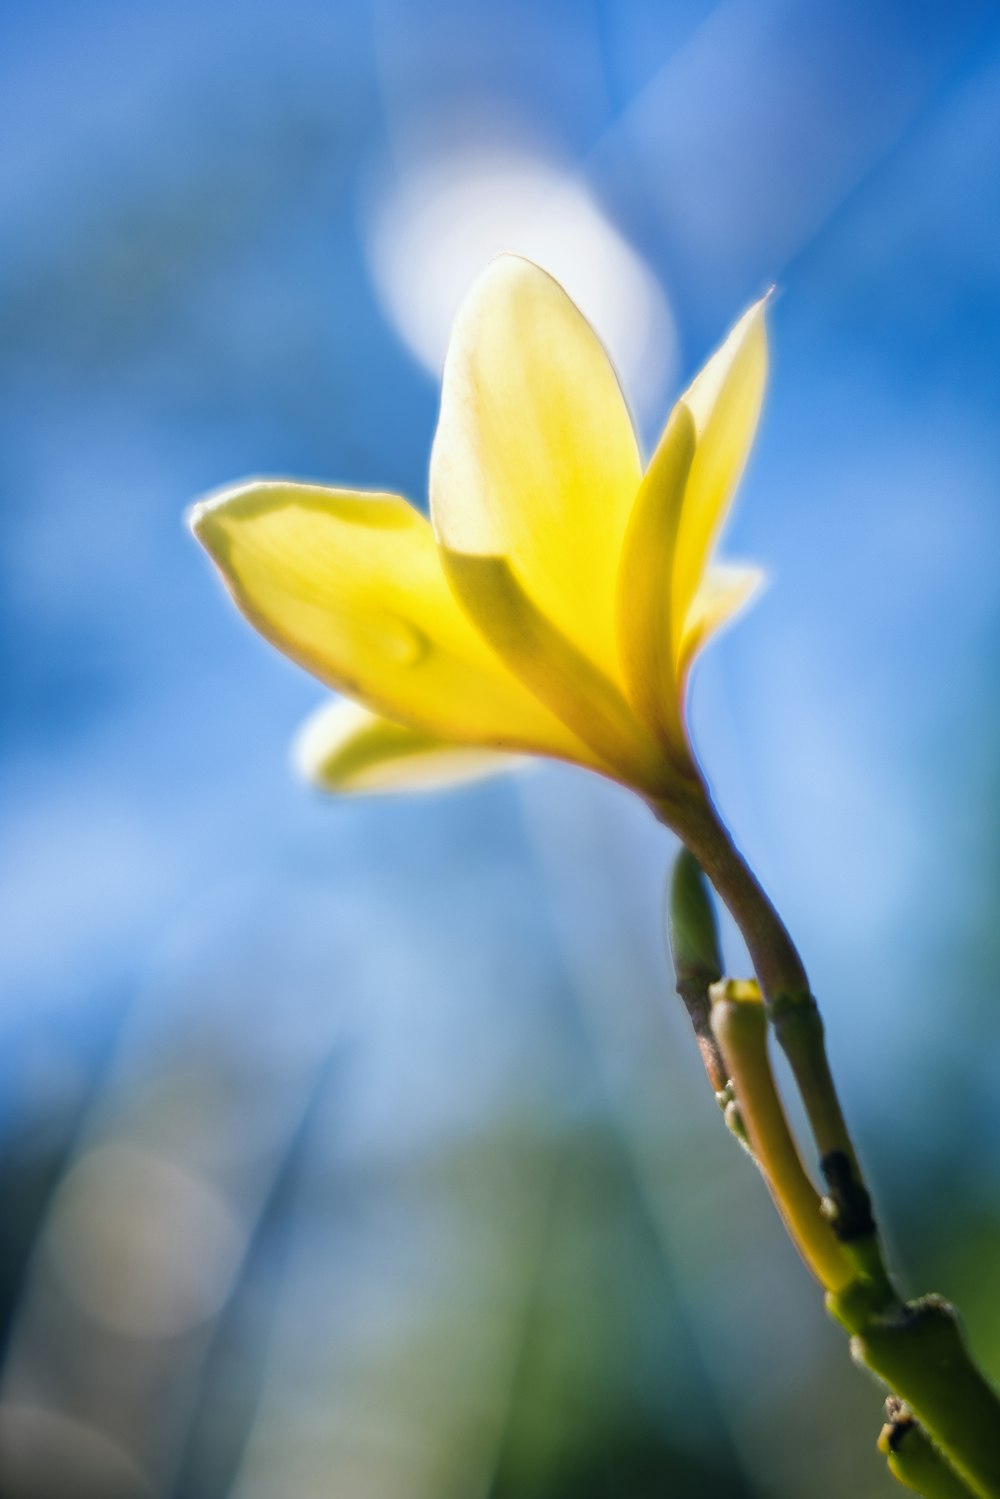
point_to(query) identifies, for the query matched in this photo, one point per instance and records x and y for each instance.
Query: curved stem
(797, 1025)
(740, 1027)
(775, 958)
(916, 1348)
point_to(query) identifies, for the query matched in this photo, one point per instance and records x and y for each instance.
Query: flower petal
(535, 459)
(548, 663)
(646, 615)
(725, 590)
(725, 401)
(343, 747)
(350, 586)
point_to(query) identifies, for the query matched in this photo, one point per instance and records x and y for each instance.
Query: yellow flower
(557, 597)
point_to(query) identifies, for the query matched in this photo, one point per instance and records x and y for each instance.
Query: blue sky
(188, 299)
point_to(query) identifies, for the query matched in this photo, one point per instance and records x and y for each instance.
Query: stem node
(919, 1351)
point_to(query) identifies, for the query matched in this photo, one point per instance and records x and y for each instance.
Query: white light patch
(141, 1244)
(434, 228)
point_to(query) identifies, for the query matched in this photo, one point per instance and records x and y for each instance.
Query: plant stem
(921, 1354)
(740, 1027)
(916, 1348)
(693, 936)
(912, 1458)
(798, 1026)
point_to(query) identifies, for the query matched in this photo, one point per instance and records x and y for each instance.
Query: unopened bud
(694, 931)
(694, 948)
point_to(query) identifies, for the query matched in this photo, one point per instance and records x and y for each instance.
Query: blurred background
(359, 1149)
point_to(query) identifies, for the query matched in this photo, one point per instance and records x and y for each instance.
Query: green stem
(912, 1458)
(740, 1027)
(921, 1354)
(917, 1349)
(798, 1027)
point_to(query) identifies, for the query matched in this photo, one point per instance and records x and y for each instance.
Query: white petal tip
(198, 517)
(343, 748)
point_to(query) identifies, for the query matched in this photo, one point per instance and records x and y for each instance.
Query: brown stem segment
(775, 959)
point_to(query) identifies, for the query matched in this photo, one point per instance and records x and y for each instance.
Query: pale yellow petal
(345, 748)
(350, 586)
(535, 459)
(590, 704)
(725, 401)
(724, 591)
(670, 598)
(646, 623)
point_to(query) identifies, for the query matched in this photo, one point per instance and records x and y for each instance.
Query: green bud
(694, 947)
(691, 923)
